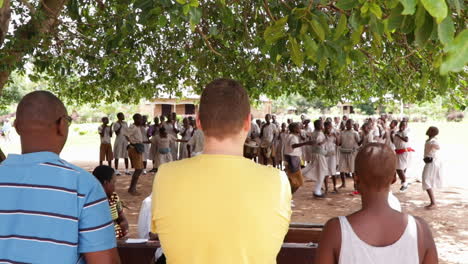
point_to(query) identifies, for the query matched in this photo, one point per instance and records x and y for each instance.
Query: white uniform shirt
(268, 134)
(122, 130)
(106, 139)
(134, 134)
(349, 139)
(197, 142)
(291, 140)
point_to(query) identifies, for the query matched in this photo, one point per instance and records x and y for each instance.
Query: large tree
(333, 50)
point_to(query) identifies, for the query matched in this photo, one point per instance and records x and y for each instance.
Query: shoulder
(86, 180)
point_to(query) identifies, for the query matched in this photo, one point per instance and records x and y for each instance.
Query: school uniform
(266, 144)
(281, 141)
(366, 139)
(164, 151)
(349, 145)
(105, 150)
(292, 160)
(388, 138)
(121, 143)
(197, 142)
(433, 170)
(308, 149)
(317, 169)
(144, 133)
(330, 150)
(183, 152)
(402, 150)
(170, 130)
(136, 147)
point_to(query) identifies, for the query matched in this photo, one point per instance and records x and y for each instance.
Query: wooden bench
(297, 247)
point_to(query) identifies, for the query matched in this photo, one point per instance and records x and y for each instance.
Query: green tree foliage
(125, 50)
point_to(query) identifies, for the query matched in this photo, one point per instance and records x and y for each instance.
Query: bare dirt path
(449, 222)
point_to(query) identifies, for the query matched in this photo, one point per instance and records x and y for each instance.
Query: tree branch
(31, 8)
(207, 41)
(265, 4)
(286, 4)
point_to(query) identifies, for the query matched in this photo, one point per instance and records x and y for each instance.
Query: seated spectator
(376, 233)
(51, 211)
(106, 176)
(220, 207)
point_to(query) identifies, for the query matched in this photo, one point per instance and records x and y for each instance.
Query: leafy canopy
(346, 50)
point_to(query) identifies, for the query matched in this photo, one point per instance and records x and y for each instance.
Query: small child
(282, 137)
(292, 156)
(163, 142)
(432, 173)
(402, 149)
(106, 176)
(330, 148)
(367, 135)
(349, 143)
(105, 151)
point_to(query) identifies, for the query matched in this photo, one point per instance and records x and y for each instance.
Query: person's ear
(62, 127)
(197, 120)
(17, 127)
(248, 123)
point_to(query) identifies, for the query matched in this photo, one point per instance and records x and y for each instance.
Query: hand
(124, 225)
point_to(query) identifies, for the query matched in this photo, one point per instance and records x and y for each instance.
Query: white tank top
(354, 250)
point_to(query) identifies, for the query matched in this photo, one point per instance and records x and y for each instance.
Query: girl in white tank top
(356, 251)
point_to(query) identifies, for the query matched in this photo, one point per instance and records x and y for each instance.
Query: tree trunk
(39, 25)
(5, 14)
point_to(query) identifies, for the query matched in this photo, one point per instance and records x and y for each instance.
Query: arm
(101, 131)
(302, 144)
(110, 130)
(123, 222)
(110, 256)
(426, 244)
(405, 139)
(330, 241)
(117, 131)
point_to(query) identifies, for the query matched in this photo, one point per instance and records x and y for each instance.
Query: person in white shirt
(196, 144)
(403, 150)
(186, 134)
(121, 143)
(376, 234)
(105, 150)
(349, 143)
(292, 156)
(171, 128)
(135, 151)
(331, 142)
(317, 169)
(432, 174)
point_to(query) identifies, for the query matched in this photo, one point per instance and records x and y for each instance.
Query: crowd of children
(327, 150)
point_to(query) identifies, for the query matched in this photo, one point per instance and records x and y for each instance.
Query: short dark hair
(224, 106)
(103, 173)
(376, 176)
(317, 124)
(292, 126)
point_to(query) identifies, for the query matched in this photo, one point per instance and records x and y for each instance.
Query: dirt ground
(449, 222)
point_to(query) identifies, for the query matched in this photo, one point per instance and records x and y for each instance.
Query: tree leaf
(317, 29)
(182, 2)
(424, 31)
(296, 53)
(1, 3)
(395, 19)
(409, 6)
(347, 4)
(341, 27)
(276, 31)
(437, 8)
(446, 30)
(457, 56)
(310, 48)
(375, 9)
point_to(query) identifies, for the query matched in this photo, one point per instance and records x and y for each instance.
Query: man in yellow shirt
(219, 207)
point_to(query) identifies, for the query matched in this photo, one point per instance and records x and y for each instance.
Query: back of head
(39, 108)
(376, 166)
(224, 106)
(103, 173)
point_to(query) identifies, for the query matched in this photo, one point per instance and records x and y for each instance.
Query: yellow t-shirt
(215, 209)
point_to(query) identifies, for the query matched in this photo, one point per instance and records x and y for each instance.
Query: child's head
(185, 122)
(120, 116)
(318, 124)
(403, 125)
(328, 127)
(393, 124)
(105, 120)
(145, 119)
(294, 128)
(283, 126)
(432, 131)
(267, 118)
(375, 168)
(162, 132)
(349, 123)
(366, 128)
(106, 177)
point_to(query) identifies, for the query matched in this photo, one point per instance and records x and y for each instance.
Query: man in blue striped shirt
(50, 210)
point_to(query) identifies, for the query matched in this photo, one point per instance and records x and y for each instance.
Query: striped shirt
(51, 211)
